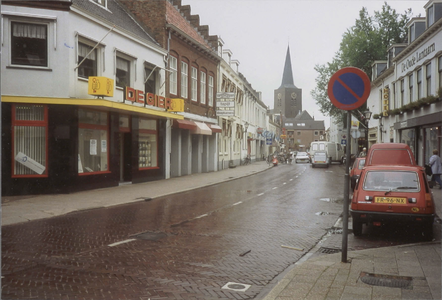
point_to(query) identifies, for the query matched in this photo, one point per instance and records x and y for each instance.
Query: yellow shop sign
(101, 86)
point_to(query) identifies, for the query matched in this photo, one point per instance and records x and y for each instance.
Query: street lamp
(367, 115)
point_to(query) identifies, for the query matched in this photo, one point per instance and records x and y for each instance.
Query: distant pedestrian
(363, 152)
(436, 167)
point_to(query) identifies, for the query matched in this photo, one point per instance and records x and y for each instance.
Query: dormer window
(434, 13)
(416, 29)
(101, 2)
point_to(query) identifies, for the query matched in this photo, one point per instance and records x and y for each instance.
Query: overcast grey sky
(259, 31)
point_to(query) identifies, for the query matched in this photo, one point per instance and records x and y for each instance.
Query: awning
(202, 128)
(215, 128)
(184, 124)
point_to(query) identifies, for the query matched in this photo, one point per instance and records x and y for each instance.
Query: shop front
(423, 135)
(58, 145)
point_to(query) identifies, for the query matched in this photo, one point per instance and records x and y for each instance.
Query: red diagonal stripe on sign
(348, 88)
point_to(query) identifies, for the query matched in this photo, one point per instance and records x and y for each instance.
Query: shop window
(29, 44)
(87, 56)
(184, 80)
(173, 76)
(29, 135)
(122, 72)
(194, 79)
(93, 136)
(211, 90)
(203, 87)
(147, 144)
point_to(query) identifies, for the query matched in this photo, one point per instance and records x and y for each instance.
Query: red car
(356, 170)
(390, 154)
(393, 194)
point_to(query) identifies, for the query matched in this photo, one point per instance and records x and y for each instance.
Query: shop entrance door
(125, 157)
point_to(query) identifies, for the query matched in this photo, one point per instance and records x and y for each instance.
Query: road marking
(261, 194)
(291, 179)
(284, 183)
(202, 216)
(122, 242)
(237, 203)
(275, 188)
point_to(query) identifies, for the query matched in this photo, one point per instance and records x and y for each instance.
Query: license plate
(390, 200)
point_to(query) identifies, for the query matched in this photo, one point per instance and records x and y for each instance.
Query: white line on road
(237, 203)
(122, 242)
(205, 215)
(260, 194)
(275, 188)
(285, 183)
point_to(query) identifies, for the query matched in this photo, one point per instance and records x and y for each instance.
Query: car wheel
(357, 227)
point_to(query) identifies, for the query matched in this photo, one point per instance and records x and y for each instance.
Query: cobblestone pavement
(184, 246)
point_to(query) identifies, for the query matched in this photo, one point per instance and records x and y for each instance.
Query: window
(430, 14)
(184, 80)
(147, 144)
(410, 87)
(29, 44)
(122, 73)
(150, 79)
(419, 84)
(92, 141)
(211, 90)
(402, 92)
(194, 90)
(439, 59)
(203, 87)
(88, 61)
(29, 132)
(173, 80)
(101, 2)
(316, 133)
(428, 76)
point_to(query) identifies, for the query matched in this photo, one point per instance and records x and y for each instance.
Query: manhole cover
(386, 280)
(328, 250)
(234, 286)
(150, 236)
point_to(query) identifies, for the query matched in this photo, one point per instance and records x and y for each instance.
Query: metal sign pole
(346, 192)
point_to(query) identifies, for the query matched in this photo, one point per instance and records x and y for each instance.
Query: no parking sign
(349, 88)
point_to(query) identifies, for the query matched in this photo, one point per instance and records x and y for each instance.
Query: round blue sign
(349, 88)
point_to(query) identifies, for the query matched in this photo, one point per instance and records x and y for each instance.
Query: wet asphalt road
(184, 246)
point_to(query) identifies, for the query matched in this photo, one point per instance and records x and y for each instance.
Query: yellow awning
(95, 103)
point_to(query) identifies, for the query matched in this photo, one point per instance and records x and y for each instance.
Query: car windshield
(391, 181)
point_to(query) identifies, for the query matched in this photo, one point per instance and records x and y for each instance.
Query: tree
(362, 44)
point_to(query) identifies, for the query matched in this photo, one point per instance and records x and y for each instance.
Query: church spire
(287, 76)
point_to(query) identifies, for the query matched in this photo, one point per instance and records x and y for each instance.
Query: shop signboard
(225, 104)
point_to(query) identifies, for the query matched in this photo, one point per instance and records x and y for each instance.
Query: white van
(334, 150)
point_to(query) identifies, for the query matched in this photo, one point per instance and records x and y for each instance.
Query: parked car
(393, 194)
(390, 154)
(356, 170)
(320, 159)
(302, 157)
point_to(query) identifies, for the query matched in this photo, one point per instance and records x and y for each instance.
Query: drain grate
(150, 236)
(237, 287)
(386, 280)
(328, 250)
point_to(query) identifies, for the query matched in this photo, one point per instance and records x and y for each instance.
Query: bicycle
(246, 161)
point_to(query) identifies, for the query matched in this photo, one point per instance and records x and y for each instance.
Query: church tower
(288, 98)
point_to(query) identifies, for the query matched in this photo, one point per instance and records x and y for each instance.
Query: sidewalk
(414, 270)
